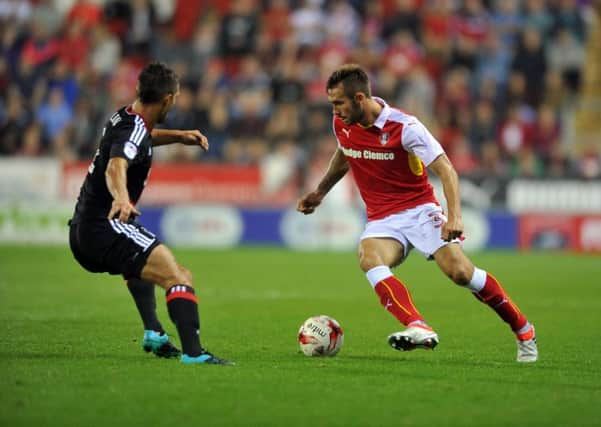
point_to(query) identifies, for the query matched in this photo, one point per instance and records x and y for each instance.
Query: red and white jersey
(388, 160)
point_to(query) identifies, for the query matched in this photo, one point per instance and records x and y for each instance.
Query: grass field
(71, 355)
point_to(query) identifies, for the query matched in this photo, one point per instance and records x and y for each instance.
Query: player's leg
(143, 294)
(91, 241)
(376, 256)
(182, 303)
(456, 265)
(155, 339)
(127, 247)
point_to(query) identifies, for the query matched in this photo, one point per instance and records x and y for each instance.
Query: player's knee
(186, 276)
(461, 275)
(368, 260)
(178, 276)
(181, 277)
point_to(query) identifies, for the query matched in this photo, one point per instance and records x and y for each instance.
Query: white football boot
(527, 350)
(412, 338)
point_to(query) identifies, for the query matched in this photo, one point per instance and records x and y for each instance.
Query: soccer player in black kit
(104, 236)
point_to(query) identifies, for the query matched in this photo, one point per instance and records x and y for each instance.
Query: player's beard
(162, 115)
(357, 114)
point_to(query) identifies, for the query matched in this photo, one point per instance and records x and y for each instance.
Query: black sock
(182, 305)
(143, 294)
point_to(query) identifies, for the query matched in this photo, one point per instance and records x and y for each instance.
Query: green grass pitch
(71, 355)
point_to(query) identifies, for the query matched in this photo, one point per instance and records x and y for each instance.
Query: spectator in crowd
(74, 45)
(567, 15)
(514, 134)
(531, 61)
(545, 133)
(493, 61)
(308, 23)
(239, 29)
(14, 119)
(483, 127)
(538, 17)
(204, 44)
(566, 55)
(141, 21)
(275, 20)
(54, 115)
(105, 51)
(404, 18)
(506, 22)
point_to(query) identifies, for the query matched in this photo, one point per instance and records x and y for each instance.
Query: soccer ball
(320, 336)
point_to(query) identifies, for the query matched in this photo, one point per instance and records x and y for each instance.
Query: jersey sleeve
(419, 141)
(126, 139)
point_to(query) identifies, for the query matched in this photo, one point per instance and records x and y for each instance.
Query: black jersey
(125, 135)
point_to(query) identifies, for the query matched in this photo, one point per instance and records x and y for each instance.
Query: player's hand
(309, 202)
(122, 210)
(452, 229)
(194, 137)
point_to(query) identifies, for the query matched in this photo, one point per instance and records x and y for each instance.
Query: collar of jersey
(381, 120)
(130, 110)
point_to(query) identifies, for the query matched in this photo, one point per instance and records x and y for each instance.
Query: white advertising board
(29, 180)
(35, 223)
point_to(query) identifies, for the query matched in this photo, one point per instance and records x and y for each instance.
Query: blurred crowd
(496, 81)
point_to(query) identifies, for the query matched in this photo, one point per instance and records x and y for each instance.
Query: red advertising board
(580, 233)
(194, 183)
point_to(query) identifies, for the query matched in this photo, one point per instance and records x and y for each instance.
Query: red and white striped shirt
(388, 160)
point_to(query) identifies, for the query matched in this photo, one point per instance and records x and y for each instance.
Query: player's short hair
(353, 78)
(155, 81)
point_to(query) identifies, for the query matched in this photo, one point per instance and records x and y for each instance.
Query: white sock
(377, 274)
(478, 280)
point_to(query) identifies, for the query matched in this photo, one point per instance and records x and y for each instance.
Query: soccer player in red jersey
(388, 151)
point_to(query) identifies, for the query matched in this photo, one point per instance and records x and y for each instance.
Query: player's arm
(336, 170)
(172, 136)
(116, 182)
(443, 168)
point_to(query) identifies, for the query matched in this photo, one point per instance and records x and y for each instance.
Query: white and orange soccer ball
(320, 336)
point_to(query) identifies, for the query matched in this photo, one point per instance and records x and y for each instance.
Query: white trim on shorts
(418, 228)
(144, 240)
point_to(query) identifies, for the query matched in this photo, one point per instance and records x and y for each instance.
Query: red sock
(395, 298)
(496, 298)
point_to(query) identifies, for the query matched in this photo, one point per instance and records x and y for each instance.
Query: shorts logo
(438, 218)
(384, 138)
(130, 150)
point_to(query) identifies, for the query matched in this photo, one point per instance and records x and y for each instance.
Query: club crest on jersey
(384, 138)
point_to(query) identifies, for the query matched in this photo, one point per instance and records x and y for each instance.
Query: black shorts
(110, 246)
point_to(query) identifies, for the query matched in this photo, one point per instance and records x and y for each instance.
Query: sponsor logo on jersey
(367, 154)
(130, 150)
